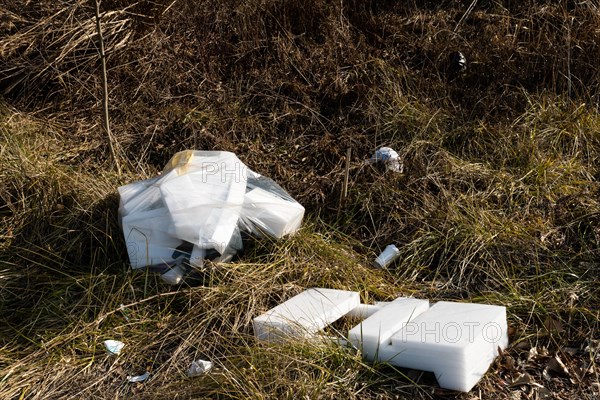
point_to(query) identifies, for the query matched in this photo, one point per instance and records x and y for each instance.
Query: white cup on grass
(389, 254)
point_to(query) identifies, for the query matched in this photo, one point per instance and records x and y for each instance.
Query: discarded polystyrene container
(388, 157)
(199, 367)
(387, 256)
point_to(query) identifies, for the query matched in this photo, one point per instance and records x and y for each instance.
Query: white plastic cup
(388, 255)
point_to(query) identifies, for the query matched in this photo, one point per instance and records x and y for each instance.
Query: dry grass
(498, 202)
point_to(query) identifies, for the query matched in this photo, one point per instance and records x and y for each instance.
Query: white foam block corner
(363, 311)
(305, 314)
(275, 216)
(147, 243)
(377, 330)
(456, 341)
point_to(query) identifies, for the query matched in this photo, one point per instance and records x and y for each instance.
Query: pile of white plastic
(196, 210)
(456, 341)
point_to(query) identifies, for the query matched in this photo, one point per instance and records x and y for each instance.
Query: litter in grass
(174, 275)
(199, 367)
(388, 157)
(198, 209)
(363, 311)
(387, 256)
(304, 314)
(138, 378)
(456, 341)
(124, 311)
(113, 346)
(458, 62)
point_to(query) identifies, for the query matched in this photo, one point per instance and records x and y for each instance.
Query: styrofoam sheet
(304, 314)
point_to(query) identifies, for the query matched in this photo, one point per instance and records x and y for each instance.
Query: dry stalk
(105, 116)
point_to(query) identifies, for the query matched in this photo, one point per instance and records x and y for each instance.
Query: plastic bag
(269, 210)
(196, 210)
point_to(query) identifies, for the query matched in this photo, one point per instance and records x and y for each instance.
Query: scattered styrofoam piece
(114, 346)
(199, 367)
(456, 341)
(138, 378)
(304, 314)
(376, 330)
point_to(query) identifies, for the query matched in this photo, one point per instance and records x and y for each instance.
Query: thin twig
(344, 192)
(466, 14)
(106, 120)
(569, 56)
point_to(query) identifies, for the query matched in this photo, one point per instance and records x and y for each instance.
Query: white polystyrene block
(377, 330)
(146, 241)
(456, 341)
(273, 215)
(304, 314)
(363, 311)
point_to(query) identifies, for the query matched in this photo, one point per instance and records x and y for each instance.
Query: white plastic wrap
(268, 209)
(205, 198)
(197, 208)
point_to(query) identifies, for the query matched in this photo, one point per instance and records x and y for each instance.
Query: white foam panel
(456, 341)
(304, 314)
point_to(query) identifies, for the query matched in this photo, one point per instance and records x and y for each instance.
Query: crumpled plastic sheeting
(389, 158)
(199, 367)
(198, 207)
